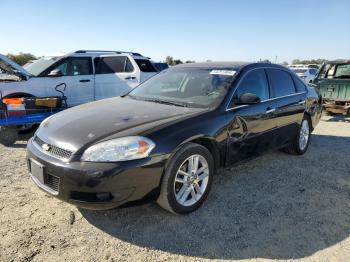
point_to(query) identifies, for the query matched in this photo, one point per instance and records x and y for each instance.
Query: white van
(89, 75)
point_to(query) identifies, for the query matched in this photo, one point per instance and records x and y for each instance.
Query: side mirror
(248, 99)
(55, 73)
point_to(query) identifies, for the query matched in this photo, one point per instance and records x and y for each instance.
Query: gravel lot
(276, 206)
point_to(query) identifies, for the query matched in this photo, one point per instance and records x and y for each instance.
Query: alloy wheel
(304, 134)
(191, 180)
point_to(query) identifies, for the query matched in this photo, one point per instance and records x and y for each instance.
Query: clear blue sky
(189, 30)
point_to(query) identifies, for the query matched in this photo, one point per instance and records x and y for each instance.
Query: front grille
(53, 150)
(52, 182)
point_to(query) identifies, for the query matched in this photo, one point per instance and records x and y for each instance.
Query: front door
(77, 74)
(252, 127)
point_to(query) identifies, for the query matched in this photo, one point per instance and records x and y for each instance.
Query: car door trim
(236, 107)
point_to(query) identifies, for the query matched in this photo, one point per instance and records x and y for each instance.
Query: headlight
(119, 149)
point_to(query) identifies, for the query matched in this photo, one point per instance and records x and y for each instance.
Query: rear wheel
(187, 179)
(301, 142)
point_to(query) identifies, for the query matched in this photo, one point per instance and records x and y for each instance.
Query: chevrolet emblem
(46, 147)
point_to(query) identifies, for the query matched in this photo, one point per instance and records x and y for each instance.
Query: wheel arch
(213, 148)
(18, 94)
(209, 143)
(310, 118)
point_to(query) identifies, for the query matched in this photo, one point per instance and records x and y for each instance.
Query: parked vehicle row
(305, 73)
(89, 75)
(167, 137)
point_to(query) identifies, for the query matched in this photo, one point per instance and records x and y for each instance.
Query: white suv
(89, 75)
(305, 73)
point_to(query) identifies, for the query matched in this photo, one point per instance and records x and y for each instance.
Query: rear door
(77, 74)
(115, 75)
(290, 103)
(252, 127)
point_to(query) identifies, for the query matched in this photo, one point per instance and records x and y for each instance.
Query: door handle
(84, 80)
(270, 110)
(130, 78)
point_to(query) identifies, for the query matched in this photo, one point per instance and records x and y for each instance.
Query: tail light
(15, 106)
(13, 101)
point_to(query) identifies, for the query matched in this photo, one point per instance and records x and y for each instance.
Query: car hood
(84, 125)
(13, 65)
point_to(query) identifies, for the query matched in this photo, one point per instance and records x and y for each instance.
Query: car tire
(301, 142)
(184, 189)
(27, 128)
(8, 135)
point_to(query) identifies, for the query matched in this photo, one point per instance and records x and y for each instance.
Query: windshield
(40, 65)
(192, 87)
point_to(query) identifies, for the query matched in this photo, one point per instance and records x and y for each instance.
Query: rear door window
(113, 64)
(281, 82)
(254, 82)
(299, 85)
(145, 65)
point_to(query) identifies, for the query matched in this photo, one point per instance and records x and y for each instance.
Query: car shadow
(337, 118)
(277, 206)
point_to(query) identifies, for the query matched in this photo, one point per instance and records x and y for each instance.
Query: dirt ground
(277, 206)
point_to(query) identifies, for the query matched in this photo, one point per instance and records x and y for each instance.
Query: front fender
(12, 89)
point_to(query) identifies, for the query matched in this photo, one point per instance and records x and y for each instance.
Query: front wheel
(187, 179)
(301, 142)
(8, 135)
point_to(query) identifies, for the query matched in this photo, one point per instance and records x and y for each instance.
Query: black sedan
(166, 139)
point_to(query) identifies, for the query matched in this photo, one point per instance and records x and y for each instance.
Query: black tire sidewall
(175, 163)
(8, 135)
(299, 150)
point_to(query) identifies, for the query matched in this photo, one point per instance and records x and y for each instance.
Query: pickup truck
(88, 74)
(333, 81)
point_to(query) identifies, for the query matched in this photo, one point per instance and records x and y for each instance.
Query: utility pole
(275, 59)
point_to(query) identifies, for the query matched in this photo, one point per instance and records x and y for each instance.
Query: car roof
(228, 65)
(215, 65)
(338, 62)
(96, 53)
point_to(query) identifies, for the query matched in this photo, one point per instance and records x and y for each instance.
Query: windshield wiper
(166, 102)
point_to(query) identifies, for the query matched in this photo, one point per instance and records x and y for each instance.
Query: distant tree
(177, 62)
(307, 62)
(171, 61)
(265, 61)
(285, 63)
(296, 61)
(21, 58)
(208, 60)
(190, 61)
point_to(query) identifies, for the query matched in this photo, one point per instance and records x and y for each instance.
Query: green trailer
(333, 81)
